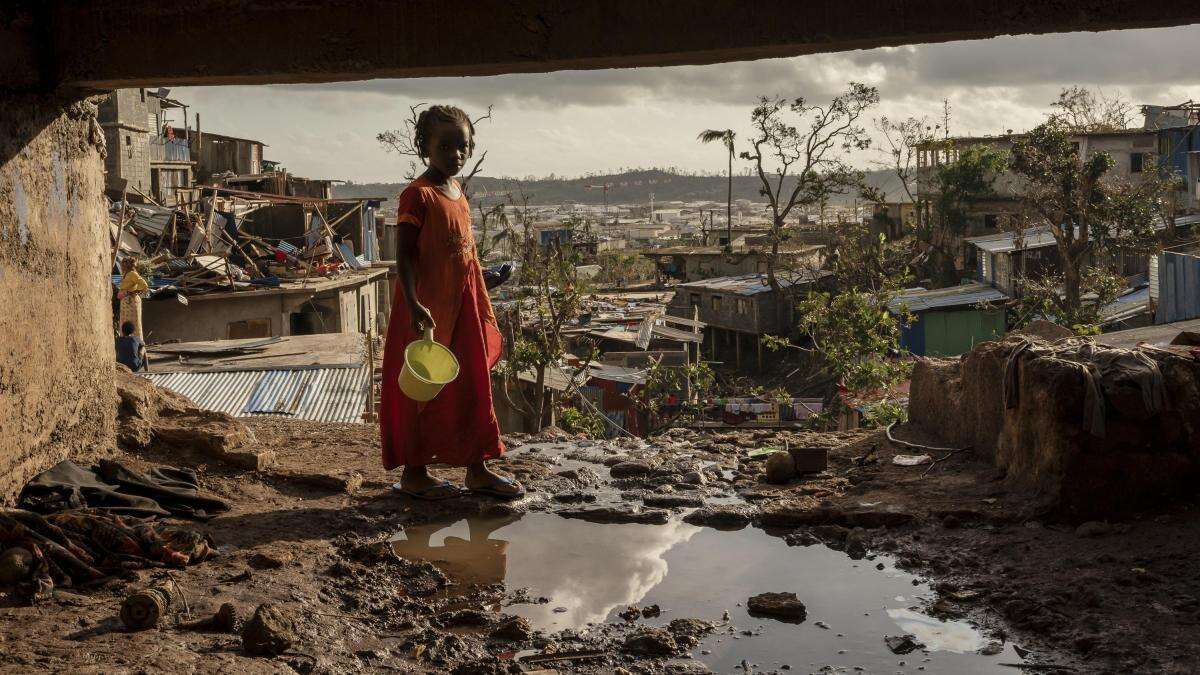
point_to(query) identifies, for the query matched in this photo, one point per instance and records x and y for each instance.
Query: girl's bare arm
(406, 253)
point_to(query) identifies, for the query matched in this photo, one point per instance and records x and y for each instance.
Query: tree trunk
(1071, 282)
(541, 398)
(729, 201)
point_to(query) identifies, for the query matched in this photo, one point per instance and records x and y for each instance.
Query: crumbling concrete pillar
(57, 396)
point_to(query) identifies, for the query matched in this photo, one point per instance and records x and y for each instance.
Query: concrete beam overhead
(105, 44)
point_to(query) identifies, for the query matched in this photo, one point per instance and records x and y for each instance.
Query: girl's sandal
(434, 493)
(492, 491)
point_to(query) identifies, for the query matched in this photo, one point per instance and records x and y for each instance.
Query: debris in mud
(270, 632)
(225, 620)
(911, 460)
(781, 468)
(618, 514)
(145, 608)
(513, 629)
(651, 642)
(782, 606)
(720, 517)
(464, 617)
(16, 564)
(902, 644)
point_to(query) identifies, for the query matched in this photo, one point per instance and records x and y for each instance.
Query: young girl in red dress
(441, 285)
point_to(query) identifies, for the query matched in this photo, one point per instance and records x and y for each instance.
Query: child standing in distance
(441, 286)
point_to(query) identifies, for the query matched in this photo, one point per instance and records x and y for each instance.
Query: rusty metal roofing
(317, 394)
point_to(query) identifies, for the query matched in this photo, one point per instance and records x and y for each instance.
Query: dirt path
(305, 535)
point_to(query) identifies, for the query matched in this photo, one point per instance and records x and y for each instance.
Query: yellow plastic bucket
(428, 366)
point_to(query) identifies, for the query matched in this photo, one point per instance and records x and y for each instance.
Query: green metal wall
(954, 333)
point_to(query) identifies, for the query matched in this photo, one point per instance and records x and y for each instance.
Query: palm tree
(726, 137)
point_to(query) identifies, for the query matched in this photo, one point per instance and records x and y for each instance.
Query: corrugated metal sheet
(752, 284)
(1178, 287)
(317, 394)
(1126, 306)
(1041, 236)
(920, 300)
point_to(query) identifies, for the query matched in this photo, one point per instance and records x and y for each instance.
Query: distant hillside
(627, 188)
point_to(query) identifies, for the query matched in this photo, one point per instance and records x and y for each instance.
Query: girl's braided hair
(441, 113)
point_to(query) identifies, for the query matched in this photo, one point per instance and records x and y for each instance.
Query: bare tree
(904, 140)
(1085, 111)
(799, 152)
(401, 142)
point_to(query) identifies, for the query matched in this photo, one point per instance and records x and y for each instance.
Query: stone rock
(269, 561)
(902, 644)
(1093, 528)
(856, 543)
(991, 649)
(574, 497)
(781, 468)
(651, 611)
(782, 606)
(150, 416)
(673, 500)
(651, 642)
(464, 617)
(270, 632)
(630, 469)
(799, 514)
(720, 517)
(582, 476)
(687, 632)
(618, 514)
(694, 478)
(513, 629)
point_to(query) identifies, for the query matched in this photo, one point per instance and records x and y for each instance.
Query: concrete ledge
(129, 43)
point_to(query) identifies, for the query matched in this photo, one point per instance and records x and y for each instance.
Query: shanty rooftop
(1041, 236)
(920, 299)
(753, 284)
(326, 350)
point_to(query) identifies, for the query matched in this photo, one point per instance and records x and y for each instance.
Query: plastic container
(428, 366)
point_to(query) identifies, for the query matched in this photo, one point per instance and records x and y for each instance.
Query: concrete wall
(124, 115)
(200, 319)
(56, 339)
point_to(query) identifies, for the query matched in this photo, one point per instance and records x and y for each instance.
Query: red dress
(459, 426)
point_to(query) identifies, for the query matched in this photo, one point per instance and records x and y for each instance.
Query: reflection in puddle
(591, 571)
(939, 636)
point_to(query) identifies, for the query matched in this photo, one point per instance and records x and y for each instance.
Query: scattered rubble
(651, 642)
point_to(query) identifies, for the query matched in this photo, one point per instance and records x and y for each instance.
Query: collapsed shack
(229, 245)
(625, 337)
(1097, 429)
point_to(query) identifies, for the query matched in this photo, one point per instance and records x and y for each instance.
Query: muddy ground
(307, 534)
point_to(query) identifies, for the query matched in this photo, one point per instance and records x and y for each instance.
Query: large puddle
(590, 572)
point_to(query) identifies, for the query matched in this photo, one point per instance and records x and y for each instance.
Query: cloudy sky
(577, 122)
